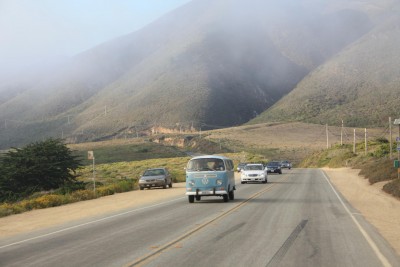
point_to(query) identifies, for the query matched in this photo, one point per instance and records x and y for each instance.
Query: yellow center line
(148, 257)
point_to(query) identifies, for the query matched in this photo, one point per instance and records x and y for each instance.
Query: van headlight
(219, 182)
(191, 183)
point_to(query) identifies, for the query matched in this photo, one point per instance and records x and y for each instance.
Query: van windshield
(206, 164)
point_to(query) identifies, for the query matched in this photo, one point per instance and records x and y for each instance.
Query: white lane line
(90, 222)
(374, 247)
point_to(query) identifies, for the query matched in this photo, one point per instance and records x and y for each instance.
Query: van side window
(229, 165)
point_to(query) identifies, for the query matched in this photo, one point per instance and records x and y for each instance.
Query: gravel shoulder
(379, 208)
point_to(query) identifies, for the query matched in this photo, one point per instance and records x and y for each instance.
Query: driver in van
(218, 165)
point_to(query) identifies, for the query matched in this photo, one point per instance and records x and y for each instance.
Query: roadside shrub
(47, 201)
(67, 188)
(6, 209)
(105, 191)
(382, 150)
(378, 170)
(393, 188)
(124, 186)
(80, 195)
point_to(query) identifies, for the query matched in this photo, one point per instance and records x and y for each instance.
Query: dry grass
(293, 141)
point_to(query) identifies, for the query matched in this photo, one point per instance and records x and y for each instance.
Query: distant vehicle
(210, 176)
(274, 167)
(157, 177)
(286, 164)
(241, 166)
(254, 173)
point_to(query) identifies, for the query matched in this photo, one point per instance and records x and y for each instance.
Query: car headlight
(191, 183)
(219, 182)
(142, 181)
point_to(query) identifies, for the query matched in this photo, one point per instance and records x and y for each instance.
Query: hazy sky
(40, 30)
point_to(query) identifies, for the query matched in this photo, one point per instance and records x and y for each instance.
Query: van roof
(210, 156)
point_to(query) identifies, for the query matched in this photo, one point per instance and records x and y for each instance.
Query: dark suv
(274, 167)
(241, 166)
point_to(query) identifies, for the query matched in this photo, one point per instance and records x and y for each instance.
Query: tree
(39, 166)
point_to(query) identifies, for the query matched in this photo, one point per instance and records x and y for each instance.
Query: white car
(254, 173)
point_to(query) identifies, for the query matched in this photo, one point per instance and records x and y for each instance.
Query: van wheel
(191, 199)
(141, 188)
(198, 198)
(226, 197)
(170, 184)
(232, 195)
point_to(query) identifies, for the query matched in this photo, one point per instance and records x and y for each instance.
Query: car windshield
(154, 172)
(206, 164)
(253, 167)
(274, 163)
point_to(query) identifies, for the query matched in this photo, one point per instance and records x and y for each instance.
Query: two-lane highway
(297, 219)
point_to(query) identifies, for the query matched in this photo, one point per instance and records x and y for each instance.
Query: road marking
(385, 262)
(146, 258)
(90, 222)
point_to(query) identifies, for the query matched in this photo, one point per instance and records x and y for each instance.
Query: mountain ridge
(209, 63)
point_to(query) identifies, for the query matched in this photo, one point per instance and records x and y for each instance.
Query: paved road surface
(297, 219)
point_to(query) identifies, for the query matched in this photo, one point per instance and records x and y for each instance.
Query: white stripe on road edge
(87, 223)
(374, 247)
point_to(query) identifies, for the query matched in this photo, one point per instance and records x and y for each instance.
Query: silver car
(286, 164)
(157, 177)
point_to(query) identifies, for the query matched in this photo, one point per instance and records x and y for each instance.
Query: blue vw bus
(210, 176)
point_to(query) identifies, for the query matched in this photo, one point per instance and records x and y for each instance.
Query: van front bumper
(213, 192)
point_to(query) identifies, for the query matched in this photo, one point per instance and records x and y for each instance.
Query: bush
(6, 209)
(393, 188)
(105, 191)
(47, 201)
(80, 195)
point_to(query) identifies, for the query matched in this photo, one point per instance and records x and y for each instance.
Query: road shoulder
(379, 208)
(41, 219)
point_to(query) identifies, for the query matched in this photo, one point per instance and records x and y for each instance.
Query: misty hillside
(209, 63)
(360, 85)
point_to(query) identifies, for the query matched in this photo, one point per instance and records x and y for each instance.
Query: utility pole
(390, 138)
(327, 137)
(354, 142)
(366, 145)
(91, 157)
(341, 135)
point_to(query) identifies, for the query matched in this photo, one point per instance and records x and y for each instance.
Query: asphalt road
(297, 219)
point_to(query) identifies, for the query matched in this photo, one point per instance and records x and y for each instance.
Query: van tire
(231, 195)
(198, 198)
(191, 199)
(226, 197)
